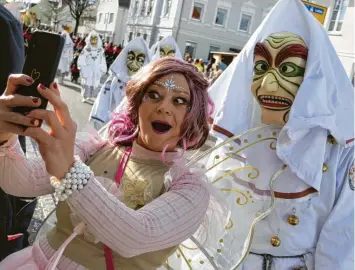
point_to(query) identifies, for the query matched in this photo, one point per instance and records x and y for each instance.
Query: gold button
(293, 220)
(325, 167)
(275, 241)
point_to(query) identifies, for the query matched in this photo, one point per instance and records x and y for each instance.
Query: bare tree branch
(77, 9)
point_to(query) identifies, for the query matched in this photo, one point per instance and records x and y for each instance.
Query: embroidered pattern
(352, 177)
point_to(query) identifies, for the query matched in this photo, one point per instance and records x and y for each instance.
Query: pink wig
(124, 128)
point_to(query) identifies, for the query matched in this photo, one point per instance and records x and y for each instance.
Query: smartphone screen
(41, 64)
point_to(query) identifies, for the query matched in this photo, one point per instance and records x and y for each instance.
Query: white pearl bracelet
(75, 179)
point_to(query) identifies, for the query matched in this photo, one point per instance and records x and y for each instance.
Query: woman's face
(162, 112)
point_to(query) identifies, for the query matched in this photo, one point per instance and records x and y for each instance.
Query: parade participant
(66, 57)
(131, 59)
(166, 47)
(289, 75)
(92, 65)
(75, 72)
(133, 197)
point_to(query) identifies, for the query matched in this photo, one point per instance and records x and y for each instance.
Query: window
(130, 36)
(167, 8)
(221, 17)
(150, 7)
(105, 18)
(336, 21)
(197, 11)
(214, 48)
(135, 8)
(138, 34)
(144, 7)
(100, 17)
(190, 49)
(111, 18)
(245, 22)
(145, 36)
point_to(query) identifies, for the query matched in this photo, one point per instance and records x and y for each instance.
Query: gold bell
(293, 220)
(275, 241)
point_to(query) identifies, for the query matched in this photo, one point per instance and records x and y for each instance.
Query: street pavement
(70, 93)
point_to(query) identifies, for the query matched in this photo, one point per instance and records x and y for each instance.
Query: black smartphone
(41, 64)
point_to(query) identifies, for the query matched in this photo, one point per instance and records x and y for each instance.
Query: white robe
(66, 58)
(92, 65)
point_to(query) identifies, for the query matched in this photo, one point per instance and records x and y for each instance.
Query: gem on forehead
(170, 84)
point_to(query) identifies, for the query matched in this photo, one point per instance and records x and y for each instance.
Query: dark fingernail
(26, 113)
(55, 85)
(35, 99)
(34, 122)
(29, 80)
(42, 86)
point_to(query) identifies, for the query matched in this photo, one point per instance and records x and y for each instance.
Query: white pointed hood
(119, 67)
(324, 103)
(87, 40)
(168, 41)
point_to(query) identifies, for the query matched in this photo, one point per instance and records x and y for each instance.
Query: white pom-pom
(80, 187)
(68, 175)
(68, 192)
(68, 186)
(74, 187)
(72, 170)
(85, 181)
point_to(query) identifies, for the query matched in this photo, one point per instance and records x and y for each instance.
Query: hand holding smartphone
(41, 65)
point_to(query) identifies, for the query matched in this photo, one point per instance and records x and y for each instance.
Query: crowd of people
(254, 171)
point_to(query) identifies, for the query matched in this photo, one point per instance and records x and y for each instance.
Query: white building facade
(199, 26)
(111, 20)
(340, 26)
(202, 26)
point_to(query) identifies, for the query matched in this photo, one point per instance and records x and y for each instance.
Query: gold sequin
(274, 134)
(178, 255)
(202, 262)
(325, 168)
(246, 141)
(217, 157)
(221, 240)
(189, 260)
(219, 250)
(231, 148)
(259, 136)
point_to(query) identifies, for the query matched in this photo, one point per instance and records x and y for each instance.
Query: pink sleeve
(28, 177)
(165, 222)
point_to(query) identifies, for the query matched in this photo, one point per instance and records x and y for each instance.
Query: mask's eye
(130, 57)
(140, 59)
(261, 67)
(289, 69)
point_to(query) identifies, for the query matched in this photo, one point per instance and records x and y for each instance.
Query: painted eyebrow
(141, 55)
(260, 49)
(294, 50)
(132, 52)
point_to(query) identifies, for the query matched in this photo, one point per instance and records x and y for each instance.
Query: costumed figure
(131, 59)
(66, 57)
(92, 65)
(75, 72)
(289, 82)
(166, 47)
(127, 202)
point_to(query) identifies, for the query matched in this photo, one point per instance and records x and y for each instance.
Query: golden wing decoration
(243, 180)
